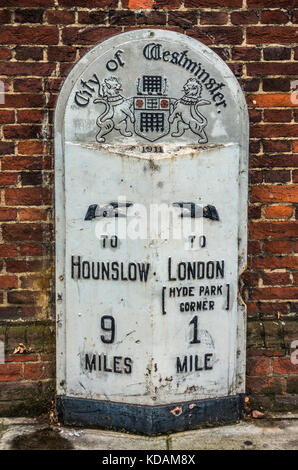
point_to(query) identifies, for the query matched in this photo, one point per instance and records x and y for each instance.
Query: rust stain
(192, 406)
(177, 411)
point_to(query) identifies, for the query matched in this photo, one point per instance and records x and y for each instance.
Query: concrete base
(149, 420)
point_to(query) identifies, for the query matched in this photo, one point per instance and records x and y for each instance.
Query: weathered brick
(10, 372)
(263, 230)
(277, 53)
(258, 366)
(266, 385)
(25, 232)
(27, 196)
(61, 17)
(214, 17)
(274, 17)
(71, 35)
(8, 282)
(29, 35)
(28, 16)
(277, 176)
(271, 193)
(270, 35)
(284, 366)
(223, 34)
(244, 17)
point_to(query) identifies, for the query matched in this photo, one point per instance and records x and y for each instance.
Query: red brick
(76, 35)
(276, 146)
(27, 196)
(27, 69)
(37, 371)
(254, 247)
(274, 17)
(246, 53)
(31, 250)
(7, 214)
(271, 193)
(62, 53)
(284, 366)
(150, 17)
(29, 116)
(277, 115)
(159, 4)
(5, 16)
(277, 53)
(213, 17)
(28, 53)
(29, 35)
(276, 161)
(28, 85)
(32, 214)
(278, 212)
(276, 278)
(271, 3)
(272, 68)
(223, 34)
(271, 293)
(264, 385)
(22, 266)
(6, 148)
(31, 148)
(212, 3)
(6, 116)
(183, 19)
(91, 3)
(263, 230)
(22, 297)
(5, 53)
(21, 132)
(274, 262)
(21, 358)
(27, 3)
(274, 130)
(9, 372)
(276, 84)
(8, 251)
(31, 178)
(258, 366)
(25, 163)
(292, 384)
(244, 17)
(24, 101)
(122, 17)
(277, 176)
(8, 282)
(270, 35)
(60, 17)
(25, 232)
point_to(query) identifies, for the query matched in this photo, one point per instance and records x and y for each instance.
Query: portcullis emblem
(152, 113)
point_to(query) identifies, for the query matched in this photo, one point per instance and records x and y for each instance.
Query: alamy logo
(152, 112)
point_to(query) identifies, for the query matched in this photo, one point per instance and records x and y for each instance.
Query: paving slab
(275, 432)
(258, 435)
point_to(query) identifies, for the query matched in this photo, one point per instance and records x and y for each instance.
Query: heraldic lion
(185, 110)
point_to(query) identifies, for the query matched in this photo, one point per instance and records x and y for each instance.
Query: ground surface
(275, 432)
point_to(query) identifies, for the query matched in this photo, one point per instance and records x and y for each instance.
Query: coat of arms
(152, 112)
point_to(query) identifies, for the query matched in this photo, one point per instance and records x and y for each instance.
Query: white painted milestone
(151, 139)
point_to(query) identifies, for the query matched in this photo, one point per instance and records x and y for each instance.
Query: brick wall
(40, 41)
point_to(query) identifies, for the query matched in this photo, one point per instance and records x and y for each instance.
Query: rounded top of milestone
(151, 87)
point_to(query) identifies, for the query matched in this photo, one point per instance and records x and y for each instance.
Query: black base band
(149, 420)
